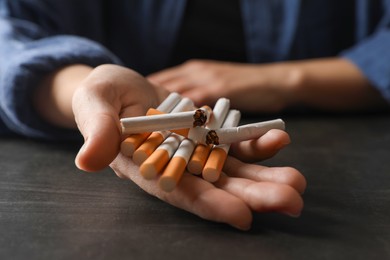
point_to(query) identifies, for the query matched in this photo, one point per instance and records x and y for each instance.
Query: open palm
(112, 92)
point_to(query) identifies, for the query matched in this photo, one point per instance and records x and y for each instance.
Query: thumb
(99, 124)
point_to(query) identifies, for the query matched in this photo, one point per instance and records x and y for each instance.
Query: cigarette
(201, 152)
(234, 134)
(214, 164)
(198, 159)
(131, 143)
(149, 146)
(134, 141)
(185, 104)
(170, 102)
(180, 120)
(176, 166)
(155, 163)
(220, 111)
(156, 138)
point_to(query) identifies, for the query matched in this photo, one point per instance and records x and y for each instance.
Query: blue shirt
(38, 37)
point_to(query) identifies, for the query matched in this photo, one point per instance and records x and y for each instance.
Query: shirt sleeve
(29, 53)
(372, 55)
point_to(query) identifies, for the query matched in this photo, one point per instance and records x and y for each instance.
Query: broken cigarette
(180, 120)
(131, 143)
(202, 151)
(234, 134)
(214, 164)
(156, 138)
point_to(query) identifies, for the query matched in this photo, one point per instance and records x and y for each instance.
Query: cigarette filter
(149, 146)
(131, 143)
(156, 138)
(176, 166)
(214, 164)
(155, 163)
(198, 158)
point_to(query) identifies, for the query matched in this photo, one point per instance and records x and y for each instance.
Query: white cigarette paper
(234, 134)
(232, 120)
(156, 138)
(170, 102)
(171, 121)
(220, 111)
(201, 152)
(177, 165)
(149, 145)
(185, 150)
(130, 144)
(160, 157)
(216, 160)
(185, 104)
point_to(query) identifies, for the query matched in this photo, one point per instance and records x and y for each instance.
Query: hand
(241, 190)
(110, 92)
(332, 84)
(249, 87)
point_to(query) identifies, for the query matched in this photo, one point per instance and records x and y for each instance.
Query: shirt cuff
(372, 57)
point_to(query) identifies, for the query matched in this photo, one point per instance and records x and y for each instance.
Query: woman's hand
(331, 84)
(110, 92)
(249, 87)
(242, 188)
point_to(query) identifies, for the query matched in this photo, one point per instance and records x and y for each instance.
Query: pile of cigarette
(177, 136)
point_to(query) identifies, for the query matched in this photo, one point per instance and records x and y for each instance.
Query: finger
(263, 196)
(193, 194)
(282, 175)
(200, 96)
(178, 84)
(163, 76)
(99, 124)
(262, 148)
(109, 91)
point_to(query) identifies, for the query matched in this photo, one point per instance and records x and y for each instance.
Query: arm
(102, 95)
(356, 80)
(333, 84)
(53, 98)
(47, 91)
(29, 51)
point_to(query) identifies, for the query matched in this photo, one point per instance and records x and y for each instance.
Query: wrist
(332, 84)
(53, 98)
(291, 82)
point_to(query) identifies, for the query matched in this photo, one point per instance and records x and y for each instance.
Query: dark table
(51, 210)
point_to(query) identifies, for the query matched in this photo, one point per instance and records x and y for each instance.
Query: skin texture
(331, 84)
(93, 100)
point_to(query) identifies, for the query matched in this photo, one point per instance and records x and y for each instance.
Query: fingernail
(82, 148)
(243, 227)
(282, 145)
(294, 215)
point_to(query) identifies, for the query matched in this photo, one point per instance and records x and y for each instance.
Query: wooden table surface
(51, 210)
